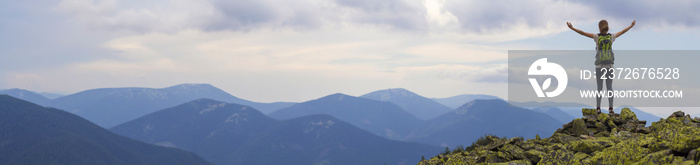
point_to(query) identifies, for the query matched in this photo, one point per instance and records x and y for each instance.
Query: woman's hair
(603, 26)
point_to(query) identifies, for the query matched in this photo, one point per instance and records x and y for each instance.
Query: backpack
(604, 53)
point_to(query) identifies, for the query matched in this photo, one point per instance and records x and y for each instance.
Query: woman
(604, 56)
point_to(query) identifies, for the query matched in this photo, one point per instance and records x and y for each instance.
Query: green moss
(603, 117)
(580, 156)
(515, 162)
(558, 157)
(589, 112)
(626, 115)
(589, 146)
(534, 155)
(512, 152)
(579, 127)
(620, 153)
(674, 135)
(660, 157)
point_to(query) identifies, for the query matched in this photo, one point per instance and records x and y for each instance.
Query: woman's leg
(608, 85)
(599, 85)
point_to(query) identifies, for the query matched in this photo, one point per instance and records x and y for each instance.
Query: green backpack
(604, 53)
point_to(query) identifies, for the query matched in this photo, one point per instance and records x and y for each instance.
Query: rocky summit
(597, 138)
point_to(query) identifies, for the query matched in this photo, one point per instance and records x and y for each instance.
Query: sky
(298, 50)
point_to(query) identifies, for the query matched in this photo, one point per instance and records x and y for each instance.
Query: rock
(512, 152)
(589, 146)
(581, 156)
(578, 127)
(659, 157)
(625, 151)
(592, 113)
(558, 157)
(678, 114)
(626, 115)
(515, 162)
(675, 135)
(692, 155)
(587, 137)
(534, 155)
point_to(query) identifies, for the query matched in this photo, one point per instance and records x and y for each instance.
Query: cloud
(656, 14)
(166, 16)
(500, 19)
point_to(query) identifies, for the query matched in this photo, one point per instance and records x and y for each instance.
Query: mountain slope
(32, 134)
(555, 112)
(419, 106)
(455, 101)
(209, 128)
(26, 95)
(594, 139)
(323, 139)
(481, 117)
(235, 134)
(108, 107)
(381, 118)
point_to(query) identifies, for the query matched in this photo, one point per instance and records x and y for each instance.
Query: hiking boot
(598, 110)
(611, 110)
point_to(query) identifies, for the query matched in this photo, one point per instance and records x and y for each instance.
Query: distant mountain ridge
(455, 102)
(379, 117)
(481, 117)
(235, 134)
(108, 107)
(32, 134)
(26, 95)
(419, 106)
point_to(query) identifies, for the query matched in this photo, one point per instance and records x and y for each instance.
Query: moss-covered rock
(589, 112)
(594, 139)
(626, 114)
(590, 146)
(561, 156)
(534, 155)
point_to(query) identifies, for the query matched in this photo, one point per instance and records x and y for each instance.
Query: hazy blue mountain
(481, 117)
(549, 104)
(419, 106)
(323, 139)
(574, 109)
(379, 117)
(234, 134)
(556, 113)
(108, 107)
(50, 95)
(455, 101)
(26, 95)
(207, 127)
(32, 134)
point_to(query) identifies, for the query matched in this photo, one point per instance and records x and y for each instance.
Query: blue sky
(297, 50)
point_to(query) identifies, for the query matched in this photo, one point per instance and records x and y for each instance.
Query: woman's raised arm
(589, 35)
(618, 34)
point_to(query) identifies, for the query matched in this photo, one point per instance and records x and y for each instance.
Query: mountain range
(455, 102)
(379, 117)
(27, 95)
(32, 134)
(419, 106)
(225, 133)
(574, 109)
(486, 117)
(108, 107)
